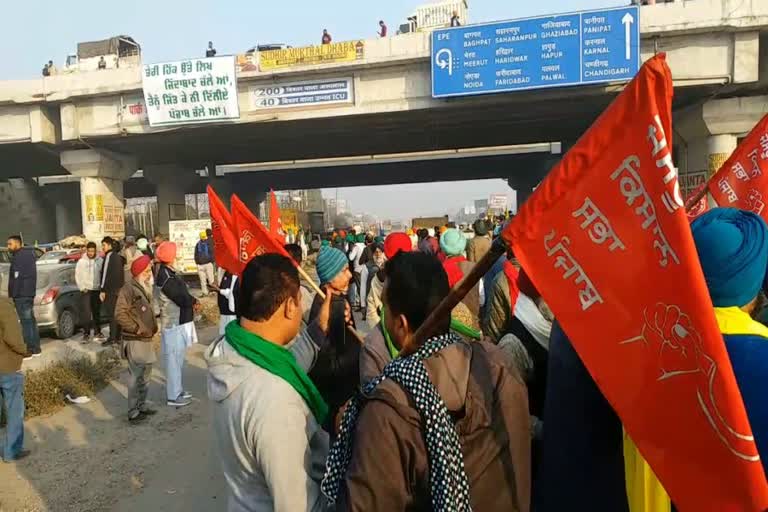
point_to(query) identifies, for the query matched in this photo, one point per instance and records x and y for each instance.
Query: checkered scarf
(448, 481)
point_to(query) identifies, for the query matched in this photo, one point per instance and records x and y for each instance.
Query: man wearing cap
(204, 262)
(136, 317)
(733, 250)
(336, 372)
(480, 244)
(453, 244)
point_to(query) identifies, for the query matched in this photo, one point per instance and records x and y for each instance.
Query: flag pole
(459, 291)
(321, 293)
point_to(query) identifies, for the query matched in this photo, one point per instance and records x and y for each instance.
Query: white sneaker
(39, 354)
(179, 402)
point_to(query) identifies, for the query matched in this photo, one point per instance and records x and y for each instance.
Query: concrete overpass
(89, 125)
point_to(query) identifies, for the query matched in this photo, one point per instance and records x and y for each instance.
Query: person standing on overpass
(383, 26)
(327, 39)
(22, 286)
(211, 51)
(204, 261)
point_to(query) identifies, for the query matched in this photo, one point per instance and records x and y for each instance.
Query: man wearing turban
(733, 250)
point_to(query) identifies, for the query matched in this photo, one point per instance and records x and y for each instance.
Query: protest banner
(191, 91)
(275, 224)
(606, 241)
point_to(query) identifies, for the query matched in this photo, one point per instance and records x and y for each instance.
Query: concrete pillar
(719, 149)
(171, 183)
(102, 174)
(66, 202)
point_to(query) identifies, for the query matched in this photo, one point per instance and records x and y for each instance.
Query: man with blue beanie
(336, 371)
(453, 243)
(733, 250)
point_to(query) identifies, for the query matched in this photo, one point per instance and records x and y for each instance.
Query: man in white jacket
(88, 279)
(267, 414)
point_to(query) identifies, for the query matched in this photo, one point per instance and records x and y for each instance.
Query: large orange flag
(224, 241)
(253, 237)
(742, 181)
(275, 224)
(606, 240)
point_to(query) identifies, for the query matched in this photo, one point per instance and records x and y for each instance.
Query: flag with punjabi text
(253, 238)
(606, 241)
(742, 181)
(224, 240)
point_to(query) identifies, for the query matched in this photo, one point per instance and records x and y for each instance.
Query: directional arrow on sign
(447, 62)
(627, 21)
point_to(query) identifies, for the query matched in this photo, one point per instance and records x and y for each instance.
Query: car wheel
(66, 325)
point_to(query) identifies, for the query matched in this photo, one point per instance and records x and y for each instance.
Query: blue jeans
(12, 395)
(26, 311)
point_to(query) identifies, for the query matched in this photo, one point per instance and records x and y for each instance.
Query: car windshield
(52, 256)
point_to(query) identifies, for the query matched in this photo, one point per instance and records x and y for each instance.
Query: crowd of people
(494, 410)
(491, 410)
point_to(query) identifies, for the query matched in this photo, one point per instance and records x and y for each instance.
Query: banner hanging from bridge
(191, 91)
(347, 51)
(548, 51)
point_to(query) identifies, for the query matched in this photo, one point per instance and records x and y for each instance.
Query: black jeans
(115, 332)
(91, 317)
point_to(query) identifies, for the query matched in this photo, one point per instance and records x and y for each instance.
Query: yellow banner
(289, 218)
(94, 207)
(310, 55)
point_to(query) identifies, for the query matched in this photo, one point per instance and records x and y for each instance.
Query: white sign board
(185, 234)
(334, 91)
(191, 91)
(498, 202)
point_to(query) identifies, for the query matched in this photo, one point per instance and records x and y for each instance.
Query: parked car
(57, 300)
(60, 256)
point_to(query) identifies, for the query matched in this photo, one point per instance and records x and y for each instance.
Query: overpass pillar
(719, 149)
(102, 174)
(171, 183)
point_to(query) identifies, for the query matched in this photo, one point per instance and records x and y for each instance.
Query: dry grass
(45, 390)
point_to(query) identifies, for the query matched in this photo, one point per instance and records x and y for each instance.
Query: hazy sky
(36, 31)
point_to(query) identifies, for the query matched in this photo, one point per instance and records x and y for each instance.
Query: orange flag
(253, 237)
(224, 241)
(275, 224)
(742, 181)
(605, 238)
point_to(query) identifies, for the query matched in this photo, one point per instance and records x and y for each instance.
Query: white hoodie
(271, 447)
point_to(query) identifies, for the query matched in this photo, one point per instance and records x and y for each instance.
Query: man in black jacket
(22, 286)
(112, 280)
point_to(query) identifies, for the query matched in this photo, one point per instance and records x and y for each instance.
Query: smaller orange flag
(253, 237)
(275, 224)
(224, 240)
(742, 181)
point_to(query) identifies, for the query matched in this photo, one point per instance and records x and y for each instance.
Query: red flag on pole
(253, 237)
(275, 224)
(224, 241)
(605, 239)
(742, 181)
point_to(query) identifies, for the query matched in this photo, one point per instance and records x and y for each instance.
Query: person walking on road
(228, 292)
(480, 244)
(22, 286)
(12, 352)
(112, 280)
(204, 261)
(88, 280)
(177, 314)
(137, 319)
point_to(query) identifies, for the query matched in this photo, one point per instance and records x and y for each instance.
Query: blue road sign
(548, 51)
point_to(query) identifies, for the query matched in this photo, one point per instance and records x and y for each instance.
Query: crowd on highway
(308, 415)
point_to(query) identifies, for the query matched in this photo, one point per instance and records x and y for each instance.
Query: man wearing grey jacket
(257, 379)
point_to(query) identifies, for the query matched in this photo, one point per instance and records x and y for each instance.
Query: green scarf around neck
(456, 326)
(279, 362)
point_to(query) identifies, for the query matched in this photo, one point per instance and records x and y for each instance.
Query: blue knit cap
(733, 250)
(330, 262)
(453, 242)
